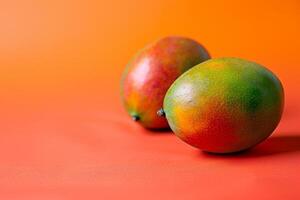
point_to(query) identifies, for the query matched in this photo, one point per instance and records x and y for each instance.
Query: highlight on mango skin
(224, 105)
(150, 73)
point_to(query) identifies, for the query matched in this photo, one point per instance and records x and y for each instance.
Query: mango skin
(151, 72)
(224, 105)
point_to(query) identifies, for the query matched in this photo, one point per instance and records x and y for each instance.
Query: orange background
(65, 135)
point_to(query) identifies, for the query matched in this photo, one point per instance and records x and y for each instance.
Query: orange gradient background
(65, 135)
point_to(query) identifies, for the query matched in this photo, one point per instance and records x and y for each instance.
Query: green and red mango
(224, 105)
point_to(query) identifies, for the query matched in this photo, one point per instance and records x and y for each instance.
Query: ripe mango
(151, 72)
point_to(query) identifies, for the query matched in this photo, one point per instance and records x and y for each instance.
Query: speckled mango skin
(151, 72)
(224, 105)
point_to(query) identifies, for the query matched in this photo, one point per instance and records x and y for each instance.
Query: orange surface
(65, 135)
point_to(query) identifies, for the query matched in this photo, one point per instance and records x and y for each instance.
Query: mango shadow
(283, 144)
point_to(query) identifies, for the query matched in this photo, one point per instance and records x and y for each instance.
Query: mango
(224, 105)
(151, 72)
